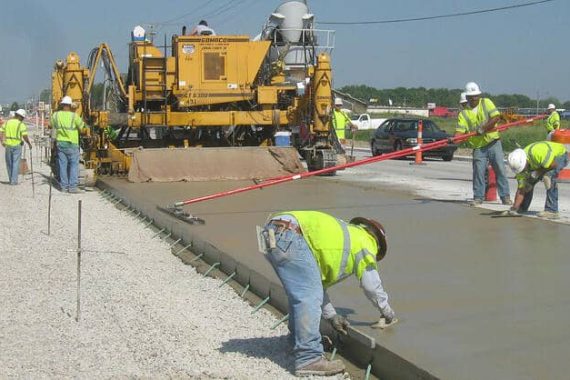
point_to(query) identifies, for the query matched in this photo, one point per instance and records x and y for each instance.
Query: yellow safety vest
(553, 122)
(339, 248)
(13, 131)
(541, 155)
(340, 120)
(468, 121)
(67, 125)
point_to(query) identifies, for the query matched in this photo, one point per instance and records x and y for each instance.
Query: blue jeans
(551, 203)
(301, 277)
(13, 155)
(493, 154)
(68, 163)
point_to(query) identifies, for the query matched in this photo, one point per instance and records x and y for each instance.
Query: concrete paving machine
(178, 101)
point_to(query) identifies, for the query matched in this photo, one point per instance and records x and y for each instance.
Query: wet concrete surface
(477, 296)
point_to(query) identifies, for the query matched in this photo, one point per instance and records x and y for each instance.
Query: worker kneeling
(538, 161)
(311, 251)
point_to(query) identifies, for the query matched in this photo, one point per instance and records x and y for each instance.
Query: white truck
(364, 121)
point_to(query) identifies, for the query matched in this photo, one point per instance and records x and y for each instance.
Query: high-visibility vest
(340, 249)
(13, 131)
(468, 121)
(340, 120)
(553, 122)
(541, 155)
(67, 125)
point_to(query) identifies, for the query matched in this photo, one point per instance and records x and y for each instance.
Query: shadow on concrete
(450, 179)
(430, 200)
(274, 348)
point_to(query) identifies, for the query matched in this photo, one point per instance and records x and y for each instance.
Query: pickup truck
(364, 121)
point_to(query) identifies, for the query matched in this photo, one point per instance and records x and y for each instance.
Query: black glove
(340, 324)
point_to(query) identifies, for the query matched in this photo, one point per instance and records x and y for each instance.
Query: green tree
(15, 106)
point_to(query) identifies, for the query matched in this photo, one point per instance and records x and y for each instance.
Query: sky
(524, 50)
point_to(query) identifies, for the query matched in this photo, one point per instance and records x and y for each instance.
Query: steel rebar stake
(49, 202)
(78, 260)
(32, 171)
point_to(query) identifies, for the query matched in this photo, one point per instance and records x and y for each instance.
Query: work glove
(450, 140)
(511, 212)
(480, 130)
(340, 324)
(547, 182)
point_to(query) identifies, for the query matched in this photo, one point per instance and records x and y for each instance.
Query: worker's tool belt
(283, 225)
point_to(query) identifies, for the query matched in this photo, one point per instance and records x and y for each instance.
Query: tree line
(421, 96)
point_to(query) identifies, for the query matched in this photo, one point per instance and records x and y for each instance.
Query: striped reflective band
(59, 126)
(345, 248)
(18, 134)
(546, 159)
(360, 256)
(486, 111)
(467, 119)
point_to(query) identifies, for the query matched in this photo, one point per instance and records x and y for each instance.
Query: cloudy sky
(524, 50)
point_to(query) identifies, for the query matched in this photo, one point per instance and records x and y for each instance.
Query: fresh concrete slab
(477, 296)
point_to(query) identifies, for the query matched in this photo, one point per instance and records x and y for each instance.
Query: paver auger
(160, 121)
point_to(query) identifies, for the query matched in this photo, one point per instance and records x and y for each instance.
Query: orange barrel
(562, 136)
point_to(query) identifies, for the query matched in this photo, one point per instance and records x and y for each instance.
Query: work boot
(548, 215)
(321, 367)
(384, 323)
(75, 191)
(476, 202)
(506, 201)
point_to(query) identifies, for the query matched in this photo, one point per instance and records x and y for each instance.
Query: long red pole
(365, 161)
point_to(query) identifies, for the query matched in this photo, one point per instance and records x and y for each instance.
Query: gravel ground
(144, 314)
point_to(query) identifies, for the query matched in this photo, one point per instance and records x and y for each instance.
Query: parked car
(398, 134)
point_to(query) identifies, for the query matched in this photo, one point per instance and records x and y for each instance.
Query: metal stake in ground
(32, 171)
(49, 201)
(78, 261)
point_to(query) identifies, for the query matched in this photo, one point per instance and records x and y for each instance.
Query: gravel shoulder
(144, 314)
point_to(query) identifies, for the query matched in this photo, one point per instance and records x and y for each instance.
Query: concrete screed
(477, 296)
(144, 314)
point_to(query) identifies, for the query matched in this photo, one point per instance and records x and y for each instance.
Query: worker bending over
(310, 251)
(482, 117)
(538, 161)
(66, 126)
(341, 121)
(13, 133)
(552, 122)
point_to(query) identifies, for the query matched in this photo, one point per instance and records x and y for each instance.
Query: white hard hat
(21, 113)
(463, 98)
(66, 100)
(551, 106)
(338, 102)
(472, 89)
(517, 160)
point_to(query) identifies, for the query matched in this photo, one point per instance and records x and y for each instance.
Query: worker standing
(13, 133)
(202, 29)
(552, 122)
(538, 161)
(67, 125)
(482, 118)
(341, 121)
(310, 251)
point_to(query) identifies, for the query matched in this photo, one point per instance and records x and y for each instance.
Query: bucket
(283, 138)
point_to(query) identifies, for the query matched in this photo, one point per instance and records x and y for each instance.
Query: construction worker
(13, 133)
(538, 161)
(552, 122)
(341, 121)
(202, 29)
(66, 126)
(482, 118)
(310, 251)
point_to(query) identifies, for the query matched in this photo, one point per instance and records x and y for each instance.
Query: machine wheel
(447, 157)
